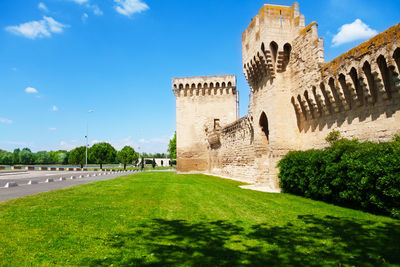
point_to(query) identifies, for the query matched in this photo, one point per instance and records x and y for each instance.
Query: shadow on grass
(313, 241)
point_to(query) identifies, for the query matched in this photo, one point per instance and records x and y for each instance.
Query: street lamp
(87, 130)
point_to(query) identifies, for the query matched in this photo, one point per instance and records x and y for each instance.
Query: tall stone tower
(267, 56)
(203, 105)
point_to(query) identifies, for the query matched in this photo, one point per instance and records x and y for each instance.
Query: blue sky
(60, 58)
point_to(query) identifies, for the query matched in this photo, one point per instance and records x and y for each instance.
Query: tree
(26, 157)
(172, 147)
(127, 155)
(61, 157)
(77, 156)
(101, 153)
(153, 163)
(42, 157)
(16, 159)
(6, 158)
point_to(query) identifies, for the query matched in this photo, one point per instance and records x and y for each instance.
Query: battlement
(276, 16)
(267, 42)
(361, 81)
(204, 85)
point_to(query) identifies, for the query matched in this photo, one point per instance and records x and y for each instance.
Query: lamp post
(87, 133)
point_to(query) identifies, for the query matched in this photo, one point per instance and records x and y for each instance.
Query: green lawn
(161, 218)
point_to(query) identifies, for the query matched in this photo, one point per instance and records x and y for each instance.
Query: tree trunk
(124, 166)
(81, 166)
(101, 166)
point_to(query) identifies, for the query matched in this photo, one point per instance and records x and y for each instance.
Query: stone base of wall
(191, 164)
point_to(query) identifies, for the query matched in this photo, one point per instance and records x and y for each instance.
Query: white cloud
(357, 30)
(80, 1)
(68, 145)
(6, 121)
(96, 10)
(129, 7)
(54, 108)
(14, 69)
(43, 7)
(84, 17)
(52, 129)
(41, 28)
(119, 144)
(31, 90)
(162, 140)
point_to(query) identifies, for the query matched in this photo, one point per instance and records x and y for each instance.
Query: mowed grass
(161, 219)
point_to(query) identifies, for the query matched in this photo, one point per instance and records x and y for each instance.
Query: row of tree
(100, 153)
(26, 157)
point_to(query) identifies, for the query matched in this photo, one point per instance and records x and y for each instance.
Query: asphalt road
(24, 189)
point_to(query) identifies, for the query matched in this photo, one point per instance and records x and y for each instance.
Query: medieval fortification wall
(296, 99)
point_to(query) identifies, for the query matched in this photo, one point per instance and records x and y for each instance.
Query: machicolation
(296, 99)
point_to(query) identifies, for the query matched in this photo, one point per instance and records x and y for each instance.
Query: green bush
(363, 175)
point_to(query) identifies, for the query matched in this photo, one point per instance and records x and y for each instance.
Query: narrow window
(216, 123)
(264, 125)
(274, 50)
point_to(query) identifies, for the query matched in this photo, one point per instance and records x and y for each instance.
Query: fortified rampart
(202, 104)
(296, 99)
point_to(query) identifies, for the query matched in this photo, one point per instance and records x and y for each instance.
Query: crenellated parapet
(266, 43)
(204, 85)
(361, 77)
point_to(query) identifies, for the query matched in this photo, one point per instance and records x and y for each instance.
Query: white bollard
(62, 179)
(32, 182)
(49, 180)
(73, 177)
(11, 184)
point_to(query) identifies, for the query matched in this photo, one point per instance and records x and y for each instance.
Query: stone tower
(296, 99)
(267, 57)
(203, 105)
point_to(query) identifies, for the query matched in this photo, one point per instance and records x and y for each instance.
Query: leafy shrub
(357, 174)
(333, 137)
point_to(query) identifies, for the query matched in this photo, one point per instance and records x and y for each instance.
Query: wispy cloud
(52, 129)
(6, 121)
(31, 90)
(35, 29)
(357, 30)
(80, 1)
(43, 7)
(54, 108)
(85, 17)
(162, 140)
(14, 69)
(96, 141)
(69, 145)
(129, 7)
(96, 10)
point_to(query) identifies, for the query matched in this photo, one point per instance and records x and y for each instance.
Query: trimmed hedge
(362, 175)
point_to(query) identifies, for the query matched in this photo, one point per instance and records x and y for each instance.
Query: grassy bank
(161, 218)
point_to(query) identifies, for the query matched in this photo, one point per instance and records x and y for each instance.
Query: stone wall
(296, 99)
(199, 102)
(357, 93)
(235, 156)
